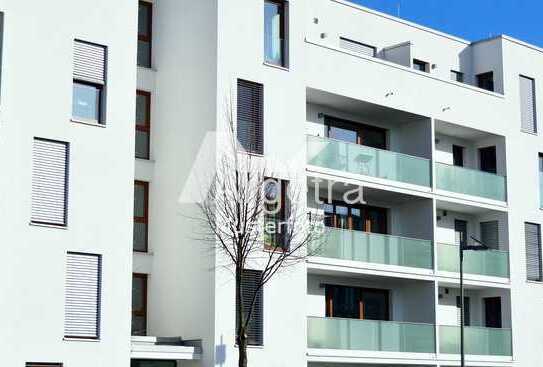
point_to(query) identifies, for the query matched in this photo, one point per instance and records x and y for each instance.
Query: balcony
(470, 182)
(478, 341)
(362, 160)
(370, 335)
(493, 263)
(376, 248)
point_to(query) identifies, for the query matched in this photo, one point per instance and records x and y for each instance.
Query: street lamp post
(462, 248)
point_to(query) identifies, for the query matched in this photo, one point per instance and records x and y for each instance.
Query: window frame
(538, 226)
(146, 127)
(255, 86)
(329, 306)
(143, 311)
(147, 38)
(479, 80)
(259, 301)
(358, 127)
(145, 218)
(283, 32)
(101, 93)
(423, 63)
(364, 211)
(280, 218)
(458, 76)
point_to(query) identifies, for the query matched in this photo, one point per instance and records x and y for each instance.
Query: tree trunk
(242, 346)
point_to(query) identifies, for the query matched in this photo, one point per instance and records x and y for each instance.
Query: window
(541, 180)
(486, 81)
(143, 124)
(42, 364)
(50, 182)
(89, 81)
(527, 105)
(467, 313)
(141, 216)
(487, 159)
(139, 304)
(249, 283)
(276, 213)
(276, 32)
(357, 47)
(145, 17)
(357, 303)
(421, 65)
(82, 307)
(355, 217)
(152, 363)
(457, 76)
(532, 237)
(356, 133)
(490, 234)
(250, 111)
(458, 155)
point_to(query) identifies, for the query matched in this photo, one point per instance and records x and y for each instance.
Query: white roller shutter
(357, 47)
(49, 182)
(527, 105)
(89, 62)
(82, 304)
(532, 237)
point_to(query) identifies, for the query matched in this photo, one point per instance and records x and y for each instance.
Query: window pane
(139, 201)
(144, 19)
(142, 144)
(338, 133)
(144, 54)
(138, 325)
(138, 295)
(140, 237)
(273, 44)
(142, 109)
(86, 102)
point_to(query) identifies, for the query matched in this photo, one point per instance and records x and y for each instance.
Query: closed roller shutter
(82, 307)
(49, 182)
(490, 234)
(532, 233)
(527, 105)
(89, 62)
(249, 281)
(33, 364)
(250, 111)
(357, 47)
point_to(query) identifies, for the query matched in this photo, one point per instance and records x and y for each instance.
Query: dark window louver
(249, 283)
(532, 235)
(250, 113)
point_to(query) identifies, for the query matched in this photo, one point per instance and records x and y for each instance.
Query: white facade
(199, 51)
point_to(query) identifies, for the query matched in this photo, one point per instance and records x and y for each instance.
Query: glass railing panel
(470, 182)
(375, 248)
(369, 335)
(490, 263)
(359, 159)
(477, 341)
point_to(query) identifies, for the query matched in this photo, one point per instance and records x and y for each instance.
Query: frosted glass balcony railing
(363, 160)
(491, 262)
(369, 335)
(470, 182)
(375, 248)
(477, 341)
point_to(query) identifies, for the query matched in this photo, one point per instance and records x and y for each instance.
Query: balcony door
(487, 159)
(460, 232)
(353, 132)
(357, 303)
(493, 312)
(356, 217)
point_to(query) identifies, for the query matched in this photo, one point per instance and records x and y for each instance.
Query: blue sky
(471, 19)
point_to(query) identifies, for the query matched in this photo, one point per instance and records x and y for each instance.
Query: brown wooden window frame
(143, 311)
(364, 214)
(360, 291)
(281, 216)
(359, 128)
(145, 218)
(146, 127)
(147, 38)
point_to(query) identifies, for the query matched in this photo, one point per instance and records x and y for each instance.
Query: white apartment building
(101, 264)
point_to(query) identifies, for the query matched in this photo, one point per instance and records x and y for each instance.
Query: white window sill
(84, 340)
(57, 226)
(87, 122)
(275, 66)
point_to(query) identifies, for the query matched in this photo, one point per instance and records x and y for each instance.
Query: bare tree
(249, 218)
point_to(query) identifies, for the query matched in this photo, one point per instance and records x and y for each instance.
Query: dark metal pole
(462, 362)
